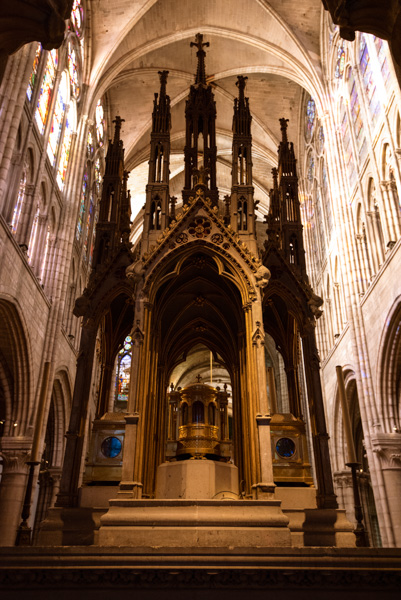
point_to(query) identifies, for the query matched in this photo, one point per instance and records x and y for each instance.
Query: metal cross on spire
(200, 72)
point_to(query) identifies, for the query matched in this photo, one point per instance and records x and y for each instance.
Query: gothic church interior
(199, 284)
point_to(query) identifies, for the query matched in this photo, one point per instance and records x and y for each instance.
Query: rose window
(200, 227)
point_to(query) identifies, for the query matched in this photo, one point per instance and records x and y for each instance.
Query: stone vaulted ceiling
(276, 44)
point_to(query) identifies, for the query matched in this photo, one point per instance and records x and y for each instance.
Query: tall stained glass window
(73, 70)
(340, 63)
(310, 118)
(84, 194)
(44, 100)
(34, 72)
(356, 116)
(369, 82)
(347, 144)
(70, 126)
(326, 200)
(381, 50)
(98, 175)
(77, 15)
(57, 122)
(123, 371)
(19, 203)
(99, 121)
(89, 222)
(33, 237)
(93, 234)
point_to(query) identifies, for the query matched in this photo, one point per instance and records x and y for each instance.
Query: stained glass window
(93, 234)
(311, 170)
(73, 70)
(371, 90)
(326, 200)
(123, 371)
(98, 175)
(355, 108)
(45, 253)
(348, 158)
(320, 143)
(310, 118)
(42, 110)
(19, 203)
(33, 237)
(319, 222)
(99, 120)
(89, 222)
(32, 79)
(82, 205)
(57, 122)
(70, 126)
(340, 63)
(77, 15)
(382, 57)
(89, 144)
(311, 232)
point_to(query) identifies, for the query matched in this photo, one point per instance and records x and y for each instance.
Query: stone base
(195, 523)
(197, 479)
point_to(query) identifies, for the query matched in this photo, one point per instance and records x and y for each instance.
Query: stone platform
(191, 523)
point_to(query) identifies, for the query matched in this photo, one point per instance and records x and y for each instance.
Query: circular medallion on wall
(111, 447)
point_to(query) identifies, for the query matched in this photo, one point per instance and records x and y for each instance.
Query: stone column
(12, 490)
(325, 495)
(129, 488)
(388, 448)
(345, 494)
(68, 495)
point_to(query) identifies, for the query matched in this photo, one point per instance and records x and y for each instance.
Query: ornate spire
(163, 82)
(200, 72)
(241, 86)
(242, 115)
(118, 121)
(283, 127)
(161, 118)
(286, 156)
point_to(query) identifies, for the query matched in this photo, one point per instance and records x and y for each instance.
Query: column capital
(388, 448)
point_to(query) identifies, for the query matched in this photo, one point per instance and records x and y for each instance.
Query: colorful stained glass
(57, 122)
(381, 50)
(70, 126)
(73, 70)
(89, 222)
(310, 117)
(44, 100)
(77, 15)
(98, 175)
(326, 200)
(99, 120)
(356, 115)
(320, 140)
(19, 203)
(32, 79)
(311, 170)
(89, 144)
(93, 235)
(370, 86)
(340, 63)
(123, 371)
(347, 145)
(319, 223)
(82, 205)
(45, 253)
(33, 237)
